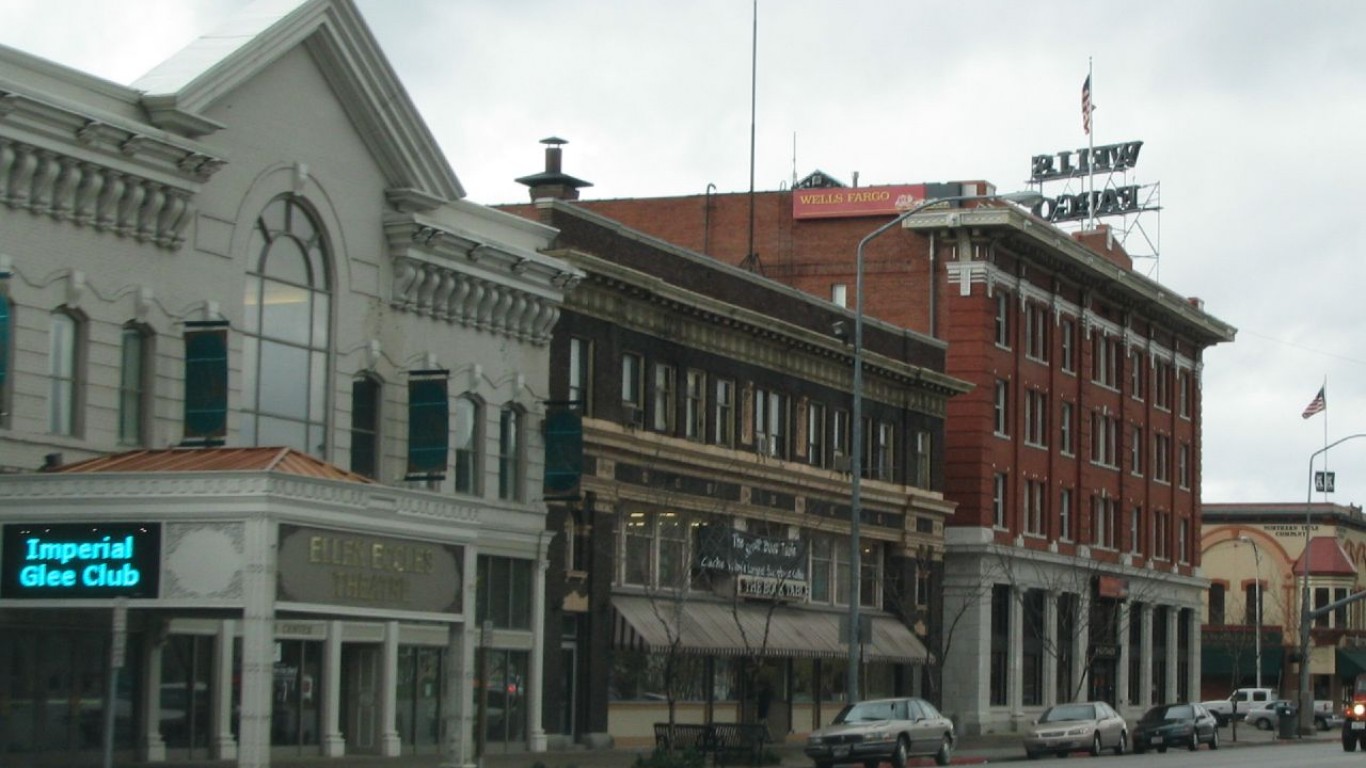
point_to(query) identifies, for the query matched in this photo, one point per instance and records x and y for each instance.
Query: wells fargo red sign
(849, 202)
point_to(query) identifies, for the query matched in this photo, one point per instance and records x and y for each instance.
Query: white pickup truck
(1240, 700)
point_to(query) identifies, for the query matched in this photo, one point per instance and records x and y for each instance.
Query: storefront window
(419, 697)
(52, 692)
(504, 696)
(186, 663)
(504, 592)
(296, 693)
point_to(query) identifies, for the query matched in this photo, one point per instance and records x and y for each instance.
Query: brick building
(1072, 565)
(715, 408)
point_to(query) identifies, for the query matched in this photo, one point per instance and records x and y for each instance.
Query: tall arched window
(64, 374)
(468, 418)
(287, 320)
(510, 453)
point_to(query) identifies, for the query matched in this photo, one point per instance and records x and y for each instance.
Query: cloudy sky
(1251, 111)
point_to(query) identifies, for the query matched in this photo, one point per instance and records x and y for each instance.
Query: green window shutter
(206, 383)
(429, 417)
(563, 453)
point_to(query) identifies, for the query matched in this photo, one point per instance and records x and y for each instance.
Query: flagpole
(1325, 438)
(1091, 148)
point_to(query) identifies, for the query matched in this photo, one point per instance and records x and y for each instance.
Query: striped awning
(750, 629)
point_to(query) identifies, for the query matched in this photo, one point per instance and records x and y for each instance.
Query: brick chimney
(552, 182)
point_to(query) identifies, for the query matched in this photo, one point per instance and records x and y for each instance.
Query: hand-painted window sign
(78, 560)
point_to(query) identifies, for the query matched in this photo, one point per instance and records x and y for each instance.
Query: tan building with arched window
(1249, 549)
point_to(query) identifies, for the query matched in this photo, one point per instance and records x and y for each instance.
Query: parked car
(1064, 728)
(1176, 725)
(1265, 715)
(1242, 699)
(870, 732)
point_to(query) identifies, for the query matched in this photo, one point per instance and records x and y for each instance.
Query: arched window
(468, 438)
(64, 372)
(135, 385)
(365, 420)
(510, 453)
(286, 323)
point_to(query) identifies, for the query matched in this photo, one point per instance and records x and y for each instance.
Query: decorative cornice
(443, 273)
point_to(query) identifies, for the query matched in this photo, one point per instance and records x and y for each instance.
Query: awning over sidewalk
(748, 629)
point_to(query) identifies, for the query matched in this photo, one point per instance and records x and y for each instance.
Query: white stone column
(1122, 673)
(1193, 652)
(1051, 644)
(966, 668)
(333, 743)
(258, 643)
(1145, 659)
(1080, 672)
(536, 685)
(1173, 614)
(1015, 658)
(152, 747)
(389, 743)
(458, 689)
(222, 744)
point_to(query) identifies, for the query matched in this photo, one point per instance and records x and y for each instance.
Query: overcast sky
(1251, 113)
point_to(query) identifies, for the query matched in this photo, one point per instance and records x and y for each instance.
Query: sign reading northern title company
(319, 565)
(80, 560)
(851, 202)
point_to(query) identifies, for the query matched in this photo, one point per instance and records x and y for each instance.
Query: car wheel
(1162, 749)
(1321, 723)
(1139, 748)
(899, 753)
(1123, 745)
(1031, 754)
(1095, 745)
(1263, 724)
(945, 753)
(1349, 740)
(1194, 742)
(1214, 739)
(825, 765)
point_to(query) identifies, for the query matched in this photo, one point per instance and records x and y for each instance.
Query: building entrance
(360, 697)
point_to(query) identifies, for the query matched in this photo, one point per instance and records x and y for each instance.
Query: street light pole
(1257, 610)
(1306, 700)
(1028, 197)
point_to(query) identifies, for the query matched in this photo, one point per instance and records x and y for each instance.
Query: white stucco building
(257, 349)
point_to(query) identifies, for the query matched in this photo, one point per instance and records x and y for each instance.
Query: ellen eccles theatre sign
(80, 560)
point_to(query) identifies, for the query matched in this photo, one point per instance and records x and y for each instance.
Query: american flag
(1086, 105)
(1319, 403)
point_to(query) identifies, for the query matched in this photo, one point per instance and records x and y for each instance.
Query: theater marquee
(319, 565)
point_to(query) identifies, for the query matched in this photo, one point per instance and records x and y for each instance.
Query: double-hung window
(665, 399)
(64, 364)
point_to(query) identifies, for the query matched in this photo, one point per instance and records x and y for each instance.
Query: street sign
(1324, 481)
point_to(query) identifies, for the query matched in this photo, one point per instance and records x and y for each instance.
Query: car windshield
(868, 710)
(1174, 712)
(1067, 712)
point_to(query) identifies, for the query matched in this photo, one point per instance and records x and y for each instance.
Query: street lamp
(1257, 610)
(1306, 616)
(1027, 198)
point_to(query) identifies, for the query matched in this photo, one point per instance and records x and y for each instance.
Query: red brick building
(1072, 559)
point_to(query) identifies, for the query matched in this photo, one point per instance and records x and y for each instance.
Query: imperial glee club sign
(80, 560)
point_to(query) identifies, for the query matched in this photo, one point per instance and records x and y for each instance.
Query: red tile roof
(285, 460)
(1326, 558)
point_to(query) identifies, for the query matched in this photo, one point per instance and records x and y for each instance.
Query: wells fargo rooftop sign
(850, 202)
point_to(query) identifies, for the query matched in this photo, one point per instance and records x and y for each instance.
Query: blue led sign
(77, 560)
